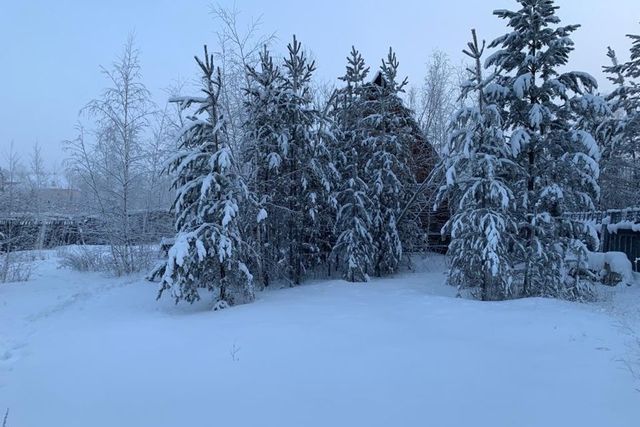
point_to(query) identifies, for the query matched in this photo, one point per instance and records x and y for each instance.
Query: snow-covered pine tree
(484, 242)
(559, 162)
(389, 137)
(208, 251)
(354, 245)
(266, 145)
(308, 169)
(592, 114)
(325, 178)
(621, 153)
(288, 140)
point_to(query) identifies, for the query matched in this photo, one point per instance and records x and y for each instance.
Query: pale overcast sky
(50, 51)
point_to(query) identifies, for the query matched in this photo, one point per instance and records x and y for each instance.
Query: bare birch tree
(112, 165)
(238, 49)
(12, 268)
(435, 101)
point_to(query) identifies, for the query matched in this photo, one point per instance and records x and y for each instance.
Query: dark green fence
(24, 232)
(619, 231)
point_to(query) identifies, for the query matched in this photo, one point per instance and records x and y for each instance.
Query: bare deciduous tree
(435, 101)
(12, 195)
(238, 49)
(112, 165)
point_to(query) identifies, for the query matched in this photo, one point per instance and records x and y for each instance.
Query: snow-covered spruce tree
(484, 241)
(308, 168)
(265, 141)
(354, 245)
(558, 160)
(389, 137)
(288, 145)
(208, 251)
(621, 153)
(593, 115)
(325, 178)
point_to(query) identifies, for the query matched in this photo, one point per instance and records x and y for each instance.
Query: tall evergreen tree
(478, 162)
(354, 245)
(559, 161)
(208, 251)
(305, 184)
(266, 145)
(621, 153)
(294, 172)
(389, 138)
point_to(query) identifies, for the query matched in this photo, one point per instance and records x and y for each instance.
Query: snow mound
(617, 262)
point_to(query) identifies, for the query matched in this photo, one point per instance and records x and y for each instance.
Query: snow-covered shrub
(612, 267)
(83, 258)
(16, 267)
(578, 281)
(104, 259)
(142, 255)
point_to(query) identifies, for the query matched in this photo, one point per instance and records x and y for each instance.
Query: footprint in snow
(9, 354)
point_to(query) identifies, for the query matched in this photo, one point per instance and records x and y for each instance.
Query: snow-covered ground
(86, 350)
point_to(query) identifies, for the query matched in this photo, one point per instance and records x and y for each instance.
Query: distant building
(51, 195)
(424, 159)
